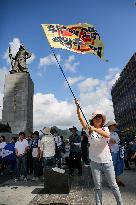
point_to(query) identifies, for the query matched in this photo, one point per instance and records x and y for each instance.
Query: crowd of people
(98, 146)
(74, 152)
(25, 155)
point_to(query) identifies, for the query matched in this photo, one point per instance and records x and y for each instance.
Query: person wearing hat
(75, 152)
(99, 153)
(115, 151)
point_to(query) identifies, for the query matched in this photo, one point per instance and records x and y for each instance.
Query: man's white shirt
(21, 146)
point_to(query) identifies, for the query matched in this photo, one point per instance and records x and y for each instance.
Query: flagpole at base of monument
(67, 82)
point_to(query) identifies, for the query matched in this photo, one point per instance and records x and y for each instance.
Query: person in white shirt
(99, 152)
(21, 147)
(114, 147)
(2, 163)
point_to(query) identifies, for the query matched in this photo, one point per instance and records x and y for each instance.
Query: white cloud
(88, 84)
(109, 77)
(15, 45)
(31, 59)
(48, 111)
(70, 65)
(98, 98)
(73, 80)
(113, 72)
(48, 61)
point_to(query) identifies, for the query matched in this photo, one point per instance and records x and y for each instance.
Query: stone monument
(18, 94)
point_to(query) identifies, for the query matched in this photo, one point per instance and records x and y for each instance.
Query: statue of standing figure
(18, 63)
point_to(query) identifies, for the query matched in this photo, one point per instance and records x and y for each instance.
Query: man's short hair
(36, 133)
(21, 133)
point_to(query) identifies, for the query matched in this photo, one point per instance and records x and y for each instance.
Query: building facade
(124, 97)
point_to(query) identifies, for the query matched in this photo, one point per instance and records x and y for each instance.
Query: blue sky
(114, 20)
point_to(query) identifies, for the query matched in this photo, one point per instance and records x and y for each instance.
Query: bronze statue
(18, 63)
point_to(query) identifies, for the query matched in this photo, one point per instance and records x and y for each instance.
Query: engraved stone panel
(18, 102)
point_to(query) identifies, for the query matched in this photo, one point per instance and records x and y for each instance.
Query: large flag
(80, 38)
(8, 152)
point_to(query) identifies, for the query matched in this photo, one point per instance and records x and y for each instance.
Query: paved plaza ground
(81, 193)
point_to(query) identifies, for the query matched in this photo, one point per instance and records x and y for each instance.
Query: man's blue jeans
(108, 170)
(118, 163)
(21, 166)
(49, 162)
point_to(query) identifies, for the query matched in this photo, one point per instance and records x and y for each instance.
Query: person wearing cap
(99, 153)
(35, 146)
(115, 151)
(75, 152)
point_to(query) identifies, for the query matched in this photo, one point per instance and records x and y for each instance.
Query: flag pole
(67, 82)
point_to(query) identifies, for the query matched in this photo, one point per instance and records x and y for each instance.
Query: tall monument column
(18, 95)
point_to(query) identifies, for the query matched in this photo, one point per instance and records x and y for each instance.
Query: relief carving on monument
(18, 63)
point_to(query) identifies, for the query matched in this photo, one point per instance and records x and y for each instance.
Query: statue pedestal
(18, 102)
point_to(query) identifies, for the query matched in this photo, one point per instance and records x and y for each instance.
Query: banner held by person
(80, 38)
(9, 152)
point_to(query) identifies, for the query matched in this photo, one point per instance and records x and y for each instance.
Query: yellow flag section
(79, 38)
